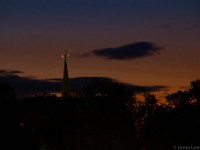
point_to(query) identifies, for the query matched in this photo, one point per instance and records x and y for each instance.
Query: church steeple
(65, 86)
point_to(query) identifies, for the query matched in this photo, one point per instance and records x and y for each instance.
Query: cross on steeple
(66, 53)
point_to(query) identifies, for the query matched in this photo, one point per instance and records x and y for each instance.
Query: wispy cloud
(166, 27)
(191, 27)
(180, 26)
(127, 52)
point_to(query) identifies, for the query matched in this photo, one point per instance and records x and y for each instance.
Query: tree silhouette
(150, 99)
(107, 115)
(195, 90)
(180, 98)
(105, 87)
(11, 126)
(6, 92)
(173, 126)
(187, 97)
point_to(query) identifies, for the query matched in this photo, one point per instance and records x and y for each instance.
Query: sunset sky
(141, 42)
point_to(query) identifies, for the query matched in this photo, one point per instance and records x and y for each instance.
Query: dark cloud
(26, 86)
(127, 52)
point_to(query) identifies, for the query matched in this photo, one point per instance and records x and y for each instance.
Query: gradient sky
(34, 33)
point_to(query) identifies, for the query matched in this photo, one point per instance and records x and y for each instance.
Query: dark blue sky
(59, 13)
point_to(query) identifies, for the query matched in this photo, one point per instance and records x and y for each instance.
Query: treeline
(103, 116)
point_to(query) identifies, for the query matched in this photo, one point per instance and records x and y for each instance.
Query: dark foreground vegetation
(103, 116)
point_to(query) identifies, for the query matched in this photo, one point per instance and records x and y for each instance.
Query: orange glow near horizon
(32, 40)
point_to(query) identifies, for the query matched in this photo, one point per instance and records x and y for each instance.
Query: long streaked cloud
(10, 72)
(26, 86)
(127, 52)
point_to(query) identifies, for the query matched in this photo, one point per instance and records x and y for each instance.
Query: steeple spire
(65, 86)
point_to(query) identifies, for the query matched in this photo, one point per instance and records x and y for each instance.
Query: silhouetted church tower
(65, 86)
